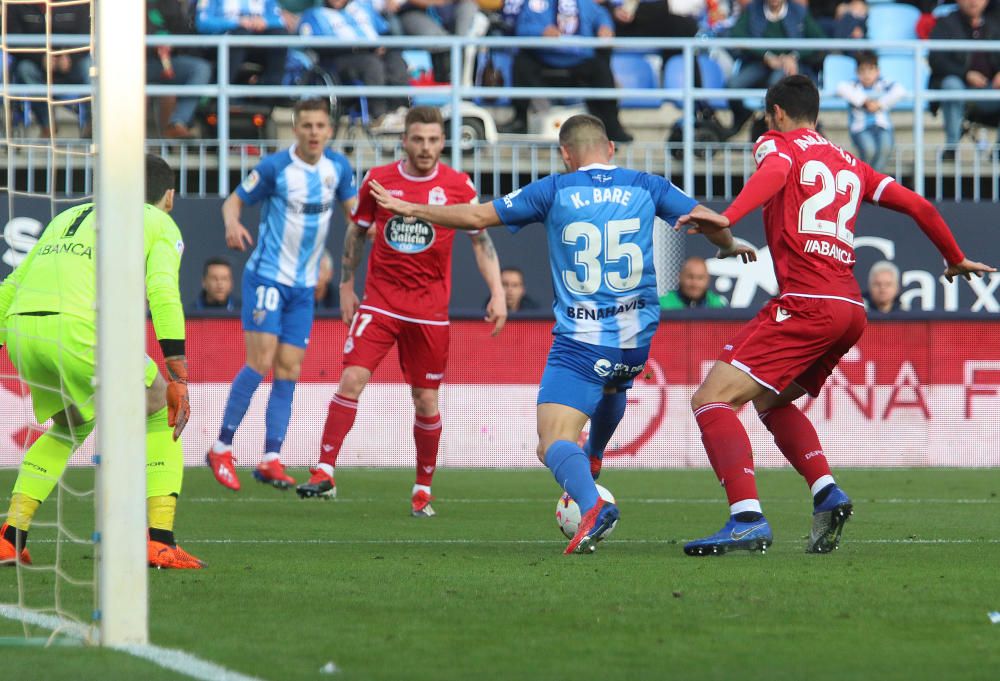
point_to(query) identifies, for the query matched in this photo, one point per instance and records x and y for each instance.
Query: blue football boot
(829, 518)
(752, 536)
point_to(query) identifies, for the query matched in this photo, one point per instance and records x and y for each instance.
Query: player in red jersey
(810, 190)
(406, 298)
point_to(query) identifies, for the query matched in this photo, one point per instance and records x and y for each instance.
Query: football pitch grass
(483, 591)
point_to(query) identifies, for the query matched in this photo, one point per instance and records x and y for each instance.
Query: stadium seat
(418, 62)
(634, 70)
(944, 10)
(899, 68)
(892, 21)
(836, 69)
(711, 77)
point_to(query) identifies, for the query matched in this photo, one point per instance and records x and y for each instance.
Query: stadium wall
(913, 393)
(883, 235)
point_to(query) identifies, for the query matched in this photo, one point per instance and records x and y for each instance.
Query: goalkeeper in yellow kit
(48, 322)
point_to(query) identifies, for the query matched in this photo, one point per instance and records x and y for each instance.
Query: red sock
(728, 449)
(339, 419)
(427, 435)
(798, 441)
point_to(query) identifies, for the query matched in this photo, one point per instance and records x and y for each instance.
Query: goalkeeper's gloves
(178, 404)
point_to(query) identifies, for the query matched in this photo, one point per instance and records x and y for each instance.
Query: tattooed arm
(354, 248)
(489, 267)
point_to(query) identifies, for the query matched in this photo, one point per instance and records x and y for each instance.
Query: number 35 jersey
(599, 223)
(809, 223)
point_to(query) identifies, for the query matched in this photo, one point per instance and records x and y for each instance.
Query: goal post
(119, 129)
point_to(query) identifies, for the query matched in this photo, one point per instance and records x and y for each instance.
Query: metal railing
(224, 91)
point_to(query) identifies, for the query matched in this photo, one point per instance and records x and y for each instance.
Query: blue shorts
(283, 311)
(576, 373)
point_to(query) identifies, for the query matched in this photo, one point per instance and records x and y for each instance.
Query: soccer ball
(568, 513)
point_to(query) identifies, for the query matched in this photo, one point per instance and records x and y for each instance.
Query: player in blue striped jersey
(599, 222)
(299, 187)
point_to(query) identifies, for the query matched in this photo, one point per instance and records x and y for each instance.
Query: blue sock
(571, 469)
(240, 394)
(603, 422)
(279, 411)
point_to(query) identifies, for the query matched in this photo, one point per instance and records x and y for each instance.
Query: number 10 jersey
(809, 223)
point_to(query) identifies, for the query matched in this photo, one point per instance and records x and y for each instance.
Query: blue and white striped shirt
(298, 204)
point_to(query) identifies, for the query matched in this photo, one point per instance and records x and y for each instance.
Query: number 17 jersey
(809, 223)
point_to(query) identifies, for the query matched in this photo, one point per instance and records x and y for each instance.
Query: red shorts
(423, 348)
(796, 340)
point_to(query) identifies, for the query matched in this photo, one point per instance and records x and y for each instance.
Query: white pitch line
(538, 500)
(175, 660)
(413, 542)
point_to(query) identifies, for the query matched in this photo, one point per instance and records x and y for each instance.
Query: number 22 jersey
(809, 223)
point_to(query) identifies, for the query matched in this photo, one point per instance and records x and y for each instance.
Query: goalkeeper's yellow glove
(178, 404)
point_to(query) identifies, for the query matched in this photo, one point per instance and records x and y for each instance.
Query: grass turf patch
(482, 590)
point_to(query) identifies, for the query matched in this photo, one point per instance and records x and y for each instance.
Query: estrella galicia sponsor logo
(602, 368)
(408, 234)
(604, 312)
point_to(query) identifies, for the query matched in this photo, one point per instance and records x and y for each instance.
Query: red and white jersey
(409, 269)
(809, 223)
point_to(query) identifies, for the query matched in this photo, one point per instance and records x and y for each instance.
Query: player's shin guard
(427, 436)
(164, 457)
(164, 477)
(279, 411)
(46, 460)
(571, 469)
(339, 421)
(729, 451)
(604, 421)
(797, 439)
(244, 386)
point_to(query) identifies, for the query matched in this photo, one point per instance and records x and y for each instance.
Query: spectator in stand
(654, 19)
(66, 69)
(844, 19)
(693, 288)
(245, 17)
(869, 98)
(165, 64)
(438, 18)
(217, 286)
(962, 70)
(883, 288)
(581, 66)
(518, 300)
(360, 20)
(763, 68)
(326, 295)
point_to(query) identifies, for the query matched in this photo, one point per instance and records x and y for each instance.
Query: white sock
(420, 488)
(821, 483)
(326, 468)
(752, 505)
(221, 447)
(271, 456)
